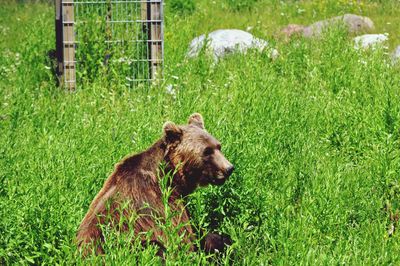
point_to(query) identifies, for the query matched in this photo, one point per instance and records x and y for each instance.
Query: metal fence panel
(102, 37)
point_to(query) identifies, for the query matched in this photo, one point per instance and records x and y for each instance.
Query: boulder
(354, 23)
(292, 29)
(227, 41)
(370, 40)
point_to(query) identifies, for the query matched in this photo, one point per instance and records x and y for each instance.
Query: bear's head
(196, 154)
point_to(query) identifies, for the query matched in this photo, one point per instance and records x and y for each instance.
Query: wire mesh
(117, 39)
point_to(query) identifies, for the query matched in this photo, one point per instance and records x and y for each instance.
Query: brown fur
(189, 151)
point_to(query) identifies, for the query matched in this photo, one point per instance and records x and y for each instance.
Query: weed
(313, 135)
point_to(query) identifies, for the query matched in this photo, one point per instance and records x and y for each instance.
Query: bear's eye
(208, 151)
(218, 147)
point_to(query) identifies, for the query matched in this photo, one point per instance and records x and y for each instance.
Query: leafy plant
(182, 6)
(239, 5)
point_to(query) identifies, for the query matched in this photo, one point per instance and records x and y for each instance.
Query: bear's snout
(229, 171)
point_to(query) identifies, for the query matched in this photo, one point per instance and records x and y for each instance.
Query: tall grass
(314, 137)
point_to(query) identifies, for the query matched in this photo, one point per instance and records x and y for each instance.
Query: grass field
(314, 136)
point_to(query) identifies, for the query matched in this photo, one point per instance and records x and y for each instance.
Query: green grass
(314, 136)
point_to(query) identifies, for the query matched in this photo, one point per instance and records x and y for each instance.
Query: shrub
(182, 6)
(239, 5)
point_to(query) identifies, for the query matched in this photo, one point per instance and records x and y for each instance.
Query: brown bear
(195, 159)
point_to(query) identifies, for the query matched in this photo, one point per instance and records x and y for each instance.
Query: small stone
(396, 54)
(370, 40)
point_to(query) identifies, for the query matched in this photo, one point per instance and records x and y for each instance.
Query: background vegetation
(314, 136)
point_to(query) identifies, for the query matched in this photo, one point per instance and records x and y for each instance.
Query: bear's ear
(172, 132)
(197, 120)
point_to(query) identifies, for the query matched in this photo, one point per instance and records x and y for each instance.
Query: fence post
(65, 44)
(155, 36)
(59, 42)
(69, 44)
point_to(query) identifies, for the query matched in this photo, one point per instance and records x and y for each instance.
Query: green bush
(239, 5)
(182, 6)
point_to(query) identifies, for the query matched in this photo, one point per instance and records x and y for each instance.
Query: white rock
(227, 41)
(370, 40)
(396, 54)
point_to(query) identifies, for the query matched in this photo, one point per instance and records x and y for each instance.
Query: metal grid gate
(122, 39)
